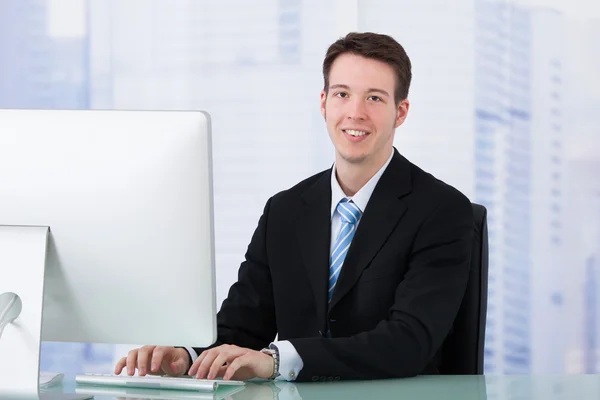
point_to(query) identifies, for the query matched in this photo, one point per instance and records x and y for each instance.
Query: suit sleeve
(247, 316)
(425, 306)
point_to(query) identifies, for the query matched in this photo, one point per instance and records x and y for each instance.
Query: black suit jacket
(398, 293)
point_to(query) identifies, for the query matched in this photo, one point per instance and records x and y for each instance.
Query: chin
(353, 157)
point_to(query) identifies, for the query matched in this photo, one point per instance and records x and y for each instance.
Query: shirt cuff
(290, 362)
(193, 354)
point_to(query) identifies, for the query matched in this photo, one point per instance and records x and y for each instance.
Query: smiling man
(359, 270)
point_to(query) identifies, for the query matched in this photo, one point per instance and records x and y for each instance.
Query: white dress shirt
(290, 362)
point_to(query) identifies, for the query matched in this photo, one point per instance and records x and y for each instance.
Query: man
(360, 270)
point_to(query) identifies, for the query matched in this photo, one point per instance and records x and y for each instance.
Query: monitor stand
(22, 267)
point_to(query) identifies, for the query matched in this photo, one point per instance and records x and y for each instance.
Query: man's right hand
(155, 360)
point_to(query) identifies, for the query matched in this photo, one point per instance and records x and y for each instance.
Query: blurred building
(583, 319)
(37, 69)
(591, 336)
(25, 54)
(550, 137)
(583, 188)
(503, 178)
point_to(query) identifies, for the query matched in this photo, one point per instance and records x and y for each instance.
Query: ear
(402, 112)
(323, 103)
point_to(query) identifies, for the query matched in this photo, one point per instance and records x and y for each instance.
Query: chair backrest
(462, 351)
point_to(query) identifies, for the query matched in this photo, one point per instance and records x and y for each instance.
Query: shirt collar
(360, 198)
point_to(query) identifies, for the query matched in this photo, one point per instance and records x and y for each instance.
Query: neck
(353, 176)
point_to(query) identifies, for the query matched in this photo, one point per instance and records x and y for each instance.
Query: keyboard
(154, 382)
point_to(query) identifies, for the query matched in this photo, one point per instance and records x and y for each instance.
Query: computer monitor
(123, 201)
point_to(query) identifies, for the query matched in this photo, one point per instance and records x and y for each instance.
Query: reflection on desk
(522, 387)
(121, 393)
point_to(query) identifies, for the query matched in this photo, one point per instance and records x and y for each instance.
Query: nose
(357, 109)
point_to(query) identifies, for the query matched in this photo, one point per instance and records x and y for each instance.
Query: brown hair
(377, 47)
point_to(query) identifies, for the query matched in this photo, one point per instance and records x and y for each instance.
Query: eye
(343, 95)
(375, 98)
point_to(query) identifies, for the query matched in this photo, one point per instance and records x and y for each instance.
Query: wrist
(273, 352)
(186, 356)
(272, 366)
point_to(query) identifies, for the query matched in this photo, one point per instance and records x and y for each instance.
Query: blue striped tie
(350, 214)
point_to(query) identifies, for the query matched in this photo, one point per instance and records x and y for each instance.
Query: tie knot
(349, 211)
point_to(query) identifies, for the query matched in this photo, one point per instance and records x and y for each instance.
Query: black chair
(462, 351)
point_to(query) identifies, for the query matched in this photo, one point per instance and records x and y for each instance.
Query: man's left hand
(232, 362)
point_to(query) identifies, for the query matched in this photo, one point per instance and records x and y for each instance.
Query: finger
(196, 364)
(218, 364)
(222, 371)
(235, 365)
(175, 368)
(157, 358)
(175, 361)
(120, 365)
(144, 359)
(206, 363)
(131, 361)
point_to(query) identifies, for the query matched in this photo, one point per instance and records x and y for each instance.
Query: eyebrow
(370, 90)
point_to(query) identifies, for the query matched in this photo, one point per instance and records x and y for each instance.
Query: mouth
(355, 135)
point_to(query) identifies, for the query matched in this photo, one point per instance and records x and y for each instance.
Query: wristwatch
(273, 351)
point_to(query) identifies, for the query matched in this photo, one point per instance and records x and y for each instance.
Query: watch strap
(274, 352)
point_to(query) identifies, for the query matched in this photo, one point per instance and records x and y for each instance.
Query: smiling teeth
(355, 133)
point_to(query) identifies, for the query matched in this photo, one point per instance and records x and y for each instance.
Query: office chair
(462, 351)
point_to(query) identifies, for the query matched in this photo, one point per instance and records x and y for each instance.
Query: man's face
(360, 111)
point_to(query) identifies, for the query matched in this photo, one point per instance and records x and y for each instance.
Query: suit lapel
(314, 232)
(381, 216)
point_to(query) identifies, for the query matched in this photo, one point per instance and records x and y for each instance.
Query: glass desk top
(518, 387)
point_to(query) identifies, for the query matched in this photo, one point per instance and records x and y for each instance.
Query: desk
(560, 387)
